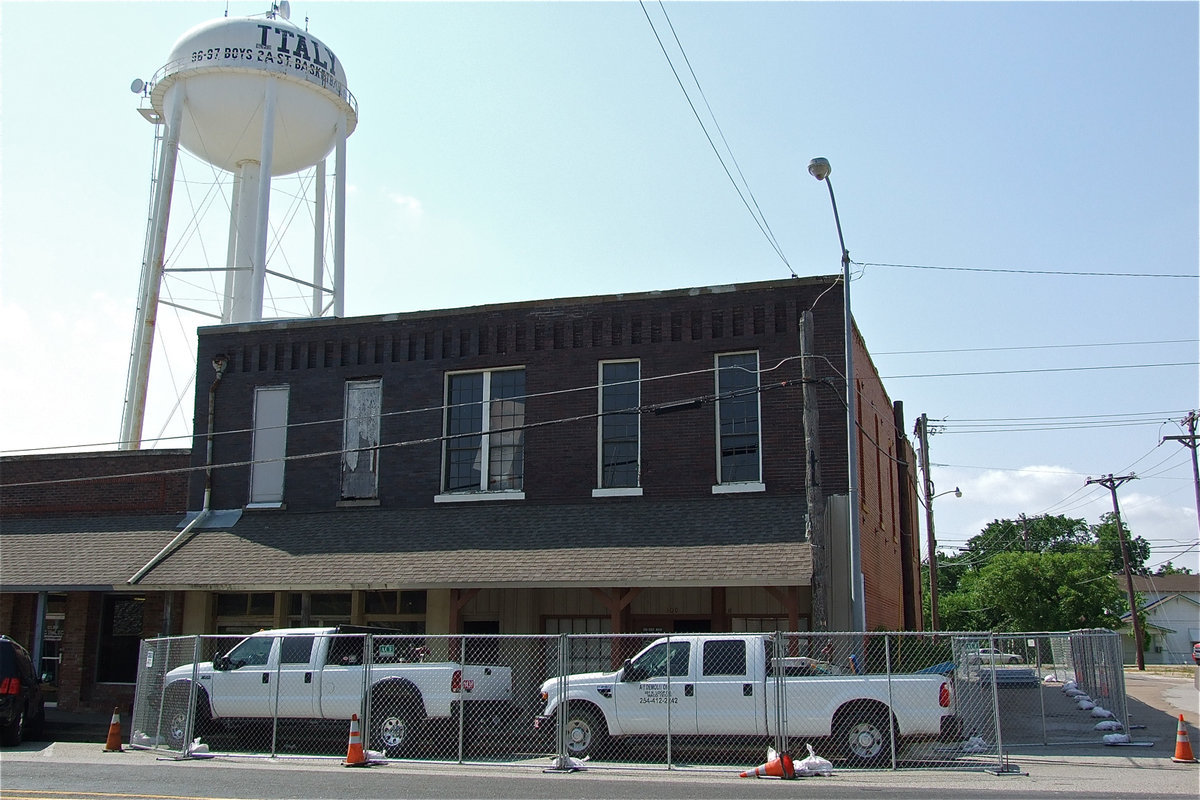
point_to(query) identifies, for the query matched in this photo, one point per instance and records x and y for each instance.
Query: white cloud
(408, 204)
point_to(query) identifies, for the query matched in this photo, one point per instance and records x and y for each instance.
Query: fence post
(560, 713)
(1041, 686)
(670, 759)
(780, 672)
(193, 691)
(462, 693)
(275, 695)
(887, 661)
(366, 690)
(996, 702)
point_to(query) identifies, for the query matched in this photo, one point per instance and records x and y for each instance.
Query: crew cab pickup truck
(727, 686)
(318, 673)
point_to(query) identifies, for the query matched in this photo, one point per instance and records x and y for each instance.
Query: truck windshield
(654, 662)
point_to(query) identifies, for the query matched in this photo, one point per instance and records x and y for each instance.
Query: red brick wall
(882, 548)
(119, 482)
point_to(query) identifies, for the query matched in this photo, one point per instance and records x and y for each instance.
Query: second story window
(620, 396)
(360, 456)
(485, 445)
(269, 445)
(738, 442)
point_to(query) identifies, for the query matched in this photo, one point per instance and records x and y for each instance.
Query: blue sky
(515, 151)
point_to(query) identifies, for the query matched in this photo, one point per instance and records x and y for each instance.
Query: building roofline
(536, 304)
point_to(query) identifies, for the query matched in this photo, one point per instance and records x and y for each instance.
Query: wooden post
(814, 524)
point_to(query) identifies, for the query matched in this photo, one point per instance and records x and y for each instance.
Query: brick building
(628, 463)
(74, 528)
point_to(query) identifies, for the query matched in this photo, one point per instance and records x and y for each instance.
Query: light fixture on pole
(935, 620)
(819, 169)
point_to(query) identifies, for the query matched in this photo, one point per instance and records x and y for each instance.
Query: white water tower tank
(221, 70)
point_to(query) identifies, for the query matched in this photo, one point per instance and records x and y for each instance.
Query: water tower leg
(138, 380)
(231, 250)
(244, 238)
(318, 293)
(339, 220)
(262, 225)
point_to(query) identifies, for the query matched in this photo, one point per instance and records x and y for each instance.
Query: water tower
(257, 97)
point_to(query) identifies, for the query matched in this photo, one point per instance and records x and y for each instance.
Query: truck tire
(174, 718)
(863, 734)
(586, 733)
(394, 724)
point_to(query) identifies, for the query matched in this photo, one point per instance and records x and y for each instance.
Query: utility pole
(1111, 483)
(814, 493)
(922, 432)
(1190, 441)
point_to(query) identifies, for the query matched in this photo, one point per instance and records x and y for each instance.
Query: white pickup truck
(726, 686)
(318, 673)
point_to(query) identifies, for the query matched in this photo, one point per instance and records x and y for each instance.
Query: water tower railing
(323, 79)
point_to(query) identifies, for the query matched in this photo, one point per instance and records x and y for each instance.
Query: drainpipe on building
(220, 362)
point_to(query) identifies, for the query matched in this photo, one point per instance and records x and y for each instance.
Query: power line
(1030, 347)
(1035, 271)
(1034, 371)
(759, 218)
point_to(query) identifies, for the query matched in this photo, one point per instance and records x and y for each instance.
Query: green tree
(1109, 541)
(1030, 535)
(1170, 569)
(1036, 591)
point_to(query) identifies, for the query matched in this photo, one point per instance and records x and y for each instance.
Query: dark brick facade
(559, 343)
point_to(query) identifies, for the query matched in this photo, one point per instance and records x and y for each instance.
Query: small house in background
(1171, 604)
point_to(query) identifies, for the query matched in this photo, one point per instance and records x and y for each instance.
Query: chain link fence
(711, 701)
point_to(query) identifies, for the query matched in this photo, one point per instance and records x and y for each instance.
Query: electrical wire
(1035, 271)
(759, 220)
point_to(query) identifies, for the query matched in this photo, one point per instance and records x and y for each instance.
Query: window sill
(265, 507)
(734, 488)
(365, 503)
(477, 497)
(624, 491)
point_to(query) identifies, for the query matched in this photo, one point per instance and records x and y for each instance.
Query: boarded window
(360, 459)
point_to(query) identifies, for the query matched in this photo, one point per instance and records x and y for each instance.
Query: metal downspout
(219, 364)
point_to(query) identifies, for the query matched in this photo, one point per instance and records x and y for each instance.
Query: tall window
(270, 445)
(620, 396)
(737, 418)
(120, 639)
(360, 457)
(485, 445)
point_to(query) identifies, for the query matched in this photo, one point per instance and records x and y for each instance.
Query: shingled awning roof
(719, 541)
(80, 552)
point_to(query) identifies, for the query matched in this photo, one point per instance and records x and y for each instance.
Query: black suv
(22, 706)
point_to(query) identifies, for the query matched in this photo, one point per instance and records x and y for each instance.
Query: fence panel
(890, 700)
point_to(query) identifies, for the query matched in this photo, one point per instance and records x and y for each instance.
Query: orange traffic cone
(355, 757)
(113, 745)
(780, 767)
(1183, 745)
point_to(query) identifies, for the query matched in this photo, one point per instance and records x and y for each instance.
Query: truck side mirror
(220, 662)
(632, 674)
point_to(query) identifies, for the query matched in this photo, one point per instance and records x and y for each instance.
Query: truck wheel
(174, 719)
(394, 725)
(586, 734)
(863, 734)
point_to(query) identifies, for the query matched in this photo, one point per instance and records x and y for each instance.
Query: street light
(935, 620)
(819, 169)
